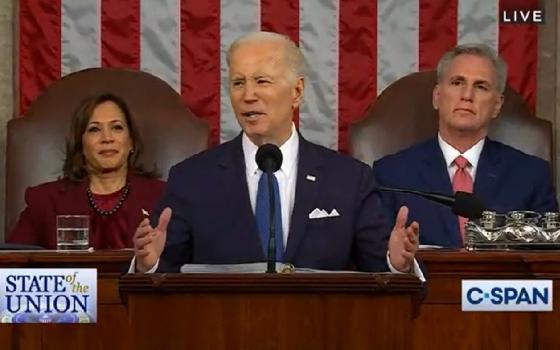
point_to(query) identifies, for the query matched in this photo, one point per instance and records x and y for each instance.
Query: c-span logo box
(48, 295)
(506, 295)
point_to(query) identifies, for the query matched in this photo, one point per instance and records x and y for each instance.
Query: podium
(225, 311)
(270, 311)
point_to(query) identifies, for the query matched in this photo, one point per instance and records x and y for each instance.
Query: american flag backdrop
(353, 48)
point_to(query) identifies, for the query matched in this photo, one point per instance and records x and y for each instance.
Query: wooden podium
(270, 311)
(225, 311)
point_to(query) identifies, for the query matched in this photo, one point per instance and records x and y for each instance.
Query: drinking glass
(72, 232)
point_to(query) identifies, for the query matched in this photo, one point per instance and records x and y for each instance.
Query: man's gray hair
(481, 50)
(294, 57)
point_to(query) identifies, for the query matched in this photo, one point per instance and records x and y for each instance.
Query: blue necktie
(262, 215)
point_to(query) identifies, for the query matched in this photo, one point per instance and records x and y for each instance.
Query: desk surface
(106, 261)
(489, 264)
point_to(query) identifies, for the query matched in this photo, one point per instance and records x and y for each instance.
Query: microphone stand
(271, 261)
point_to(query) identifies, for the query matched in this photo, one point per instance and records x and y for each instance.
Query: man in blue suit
(468, 95)
(330, 213)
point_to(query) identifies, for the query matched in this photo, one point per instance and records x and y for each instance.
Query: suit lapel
(433, 171)
(235, 189)
(487, 172)
(309, 163)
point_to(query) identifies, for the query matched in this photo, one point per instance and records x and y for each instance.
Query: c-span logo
(48, 295)
(506, 295)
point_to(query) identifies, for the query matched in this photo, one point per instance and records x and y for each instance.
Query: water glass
(72, 232)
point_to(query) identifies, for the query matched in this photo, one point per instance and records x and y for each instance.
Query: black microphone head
(269, 157)
(468, 205)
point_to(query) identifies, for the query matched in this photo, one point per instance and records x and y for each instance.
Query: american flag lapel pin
(310, 178)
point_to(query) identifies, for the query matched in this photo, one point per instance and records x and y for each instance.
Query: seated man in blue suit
(468, 95)
(330, 214)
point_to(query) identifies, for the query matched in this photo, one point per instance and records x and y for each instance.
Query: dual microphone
(269, 159)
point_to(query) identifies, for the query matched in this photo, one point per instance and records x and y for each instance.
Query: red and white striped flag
(353, 48)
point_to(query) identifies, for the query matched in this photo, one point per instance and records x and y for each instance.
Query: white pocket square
(322, 213)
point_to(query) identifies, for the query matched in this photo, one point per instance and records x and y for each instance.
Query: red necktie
(462, 181)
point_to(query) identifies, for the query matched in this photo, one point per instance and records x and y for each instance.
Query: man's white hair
(481, 50)
(293, 56)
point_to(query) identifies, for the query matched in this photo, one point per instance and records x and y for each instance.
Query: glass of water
(72, 232)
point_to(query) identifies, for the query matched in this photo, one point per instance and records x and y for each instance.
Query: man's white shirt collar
(450, 153)
(289, 154)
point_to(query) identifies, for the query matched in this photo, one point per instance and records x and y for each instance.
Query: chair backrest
(36, 141)
(403, 115)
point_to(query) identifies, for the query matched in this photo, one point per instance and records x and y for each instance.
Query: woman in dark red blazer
(102, 178)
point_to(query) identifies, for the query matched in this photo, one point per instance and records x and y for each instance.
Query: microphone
(462, 203)
(269, 160)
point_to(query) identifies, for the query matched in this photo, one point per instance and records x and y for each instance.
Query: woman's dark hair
(74, 168)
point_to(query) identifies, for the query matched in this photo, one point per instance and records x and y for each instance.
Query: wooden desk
(110, 332)
(213, 311)
(441, 323)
